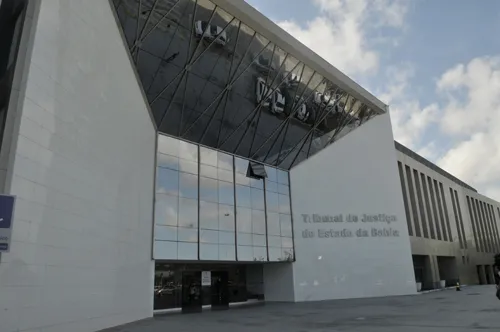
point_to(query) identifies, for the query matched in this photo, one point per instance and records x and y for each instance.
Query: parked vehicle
(264, 65)
(322, 99)
(261, 90)
(278, 102)
(210, 32)
(290, 79)
(303, 113)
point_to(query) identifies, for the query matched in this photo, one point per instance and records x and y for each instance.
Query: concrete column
(436, 277)
(431, 273)
(481, 274)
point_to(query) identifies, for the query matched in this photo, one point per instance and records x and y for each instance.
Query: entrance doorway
(480, 274)
(488, 272)
(191, 292)
(220, 290)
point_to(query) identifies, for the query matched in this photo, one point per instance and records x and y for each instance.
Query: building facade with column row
(454, 230)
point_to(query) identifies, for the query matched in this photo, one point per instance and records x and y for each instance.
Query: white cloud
(471, 117)
(467, 112)
(338, 33)
(409, 118)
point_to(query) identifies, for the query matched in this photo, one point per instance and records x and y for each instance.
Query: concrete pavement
(475, 308)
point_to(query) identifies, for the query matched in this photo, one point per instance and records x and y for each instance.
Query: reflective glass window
(188, 185)
(272, 186)
(168, 145)
(187, 234)
(225, 161)
(209, 190)
(209, 236)
(242, 179)
(187, 251)
(165, 250)
(188, 166)
(227, 252)
(241, 165)
(243, 196)
(245, 239)
(282, 189)
(167, 181)
(272, 202)
(188, 151)
(287, 242)
(257, 199)
(274, 241)
(208, 156)
(226, 193)
(188, 213)
(260, 253)
(286, 225)
(273, 224)
(257, 183)
(166, 161)
(284, 203)
(208, 171)
(244, 220)
(209, 215)
(225, 175)
(258, 222)
(209, 252)
(245, 253)
(226, 217)
(165, 233)
(275, 254)
(226, 237)
(166, 209)
(282, 177)
(272, 174)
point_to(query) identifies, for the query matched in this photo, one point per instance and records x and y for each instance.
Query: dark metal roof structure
(211, 79)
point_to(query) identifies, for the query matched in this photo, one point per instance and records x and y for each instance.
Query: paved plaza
(473, 309)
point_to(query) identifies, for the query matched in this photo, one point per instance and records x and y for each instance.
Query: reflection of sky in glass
(177, 176)
(167, 181)
(166, 210)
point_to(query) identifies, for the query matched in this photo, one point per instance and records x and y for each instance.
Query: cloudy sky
(435, 62)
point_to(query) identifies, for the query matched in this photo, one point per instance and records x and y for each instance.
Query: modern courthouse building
(185, 154)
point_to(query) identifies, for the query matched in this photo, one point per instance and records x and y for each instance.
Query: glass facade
(12, 15)
(211, 79)
(208, 207)
(241, 283)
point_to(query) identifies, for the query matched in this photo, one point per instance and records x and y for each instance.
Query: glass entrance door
(220, 290)
(191, 292)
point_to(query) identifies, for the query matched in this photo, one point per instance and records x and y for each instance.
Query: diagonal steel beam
(167, 49)
(291, 108)
(310, 131)
(187, 78)
(139, 41)
(227, 92)
(189, 60)
(255, 109)
(192, 60)
(228, 87)
(259, 111)
(292, 112)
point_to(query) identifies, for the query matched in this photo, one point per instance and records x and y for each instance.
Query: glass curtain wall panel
(212, 79)
(209, 206)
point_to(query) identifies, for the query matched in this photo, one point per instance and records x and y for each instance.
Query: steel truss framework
(199, 66)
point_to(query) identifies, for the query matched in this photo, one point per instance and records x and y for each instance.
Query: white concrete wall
(356, 175)
(279, 282)
(83, 173)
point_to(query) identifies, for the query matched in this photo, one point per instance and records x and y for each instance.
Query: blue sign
(7, 204)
